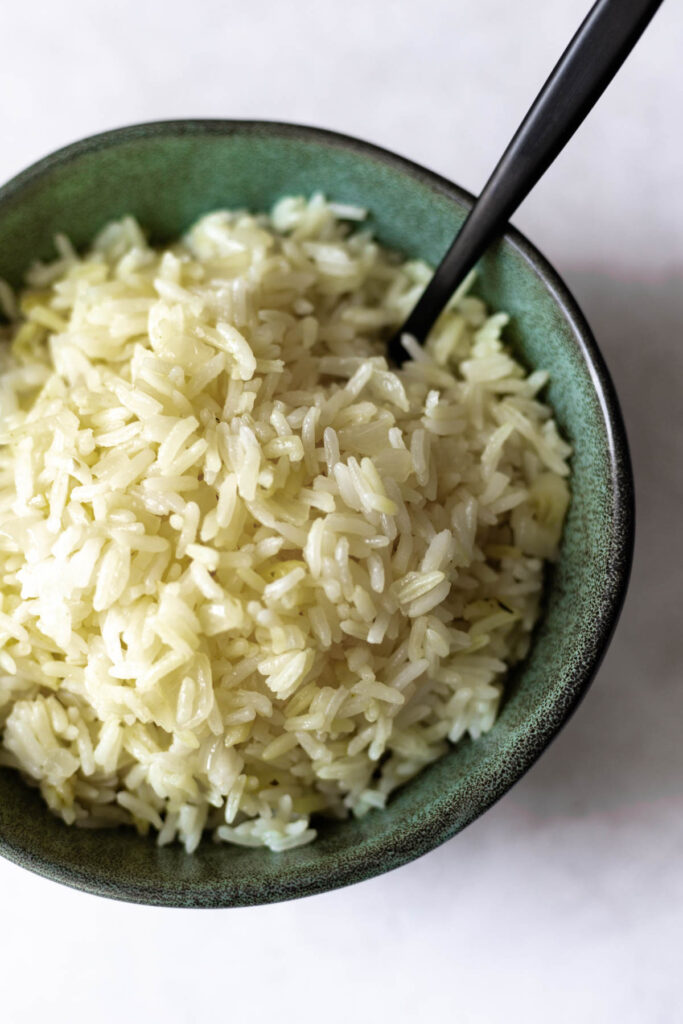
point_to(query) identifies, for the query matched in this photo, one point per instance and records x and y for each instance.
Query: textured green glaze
(168, 174)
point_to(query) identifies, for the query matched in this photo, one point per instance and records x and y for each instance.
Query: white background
(565, 902)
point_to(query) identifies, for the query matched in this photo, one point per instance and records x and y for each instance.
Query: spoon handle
(593, 57)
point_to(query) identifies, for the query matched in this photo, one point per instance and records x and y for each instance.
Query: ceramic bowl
(167, 174)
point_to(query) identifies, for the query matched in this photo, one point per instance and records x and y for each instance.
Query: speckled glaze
(167, 174)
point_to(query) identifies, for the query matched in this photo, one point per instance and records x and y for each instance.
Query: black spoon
(582, 74)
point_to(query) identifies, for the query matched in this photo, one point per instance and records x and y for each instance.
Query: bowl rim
(417, 836)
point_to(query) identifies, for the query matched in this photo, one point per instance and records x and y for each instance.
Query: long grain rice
(249, 572)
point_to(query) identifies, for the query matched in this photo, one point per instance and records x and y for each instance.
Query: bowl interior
(167, 175)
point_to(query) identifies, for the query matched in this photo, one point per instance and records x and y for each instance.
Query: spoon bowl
(167, 174)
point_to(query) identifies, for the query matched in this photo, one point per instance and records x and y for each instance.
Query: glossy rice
(250, 575)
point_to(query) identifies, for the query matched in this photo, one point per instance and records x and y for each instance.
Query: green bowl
(169, 173)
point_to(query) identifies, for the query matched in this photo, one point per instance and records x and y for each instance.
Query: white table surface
(565, 902)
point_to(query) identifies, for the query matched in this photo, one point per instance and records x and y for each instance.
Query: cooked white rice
(250, 573)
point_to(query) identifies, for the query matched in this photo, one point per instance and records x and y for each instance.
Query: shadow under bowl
(167, 174)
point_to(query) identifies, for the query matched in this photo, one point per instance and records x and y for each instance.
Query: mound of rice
(249, 573)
